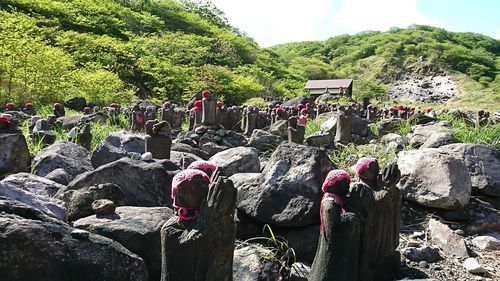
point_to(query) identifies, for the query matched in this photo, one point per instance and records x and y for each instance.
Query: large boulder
(34, 184)
(439, 139)
(288, 193)
(420, 133)
(330, 125)
(387, 126)
(145, 184)
(399, 141)
(304, 241)
(182, 147)
(263, 140)
(279, 128)
(79, 201)
(321, 140)
(69, 122)
(72, 158)
(14, 154)
(76, 103)
(254, 263)
(299, 100)
(49, 206)
(434, 178)
(116, 146)
(136, 228)
(35, 247)
(483, 163)
(183, 159)
(360, 126)
(237, 160)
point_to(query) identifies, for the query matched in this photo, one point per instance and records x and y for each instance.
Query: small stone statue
(29, 109)
(295, 132)
(81, 133)
(209, 106)
(379, 200)
(205, 166)
(166, 112)
(159, 139)
(198, 243)
(251, 120)
(344, 126)
(340, 232)
(43, 133)
(197, 114)
(58, 110)
(149, 114)
(138, 121)
(8, 125)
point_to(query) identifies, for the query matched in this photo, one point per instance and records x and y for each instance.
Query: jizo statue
(209, 105)
(159, 139)
(198, 243)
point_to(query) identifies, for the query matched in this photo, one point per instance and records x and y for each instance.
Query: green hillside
(115, 50)
(375, 59)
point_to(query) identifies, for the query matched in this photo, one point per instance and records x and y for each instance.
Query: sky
(272, 22)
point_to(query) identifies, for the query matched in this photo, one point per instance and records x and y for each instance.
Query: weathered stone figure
(178, 116)
(81, 133)
(137, 119)
(244, 119)
(58, 110)
(29, 109)
(198, 243)
(235, 119)
(344, 126)
(209, 105)
(42, 133)
(166, 112)
(149, 114)
(295, 131)
(8, 125)
(159, 139)
(379, 200)
(340, 232)
(251, 120)
(197, 113)
(205, 166)
(223, 117)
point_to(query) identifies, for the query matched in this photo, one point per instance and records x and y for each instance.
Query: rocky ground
(424, 88)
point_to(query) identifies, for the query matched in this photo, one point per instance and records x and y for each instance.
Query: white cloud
(361, 15)
(272, 22)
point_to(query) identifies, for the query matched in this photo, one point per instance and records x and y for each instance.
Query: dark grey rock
(237, 160)
(14, 154)
(117, 145)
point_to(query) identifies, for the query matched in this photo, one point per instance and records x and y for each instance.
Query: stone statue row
(359, 230)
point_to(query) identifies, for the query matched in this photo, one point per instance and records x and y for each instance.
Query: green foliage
(347, 156)
(487, 135)
(258, 102)
(313, 126)
(110, 50)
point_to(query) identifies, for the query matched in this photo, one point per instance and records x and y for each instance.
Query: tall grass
(487, 135)
(313, 126)
(347, 156)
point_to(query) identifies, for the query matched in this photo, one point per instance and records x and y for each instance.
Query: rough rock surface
(483, 163)
(34, 184)
(116, 146)
(432, 88)
(420, 133)
(304, 242)
(183, 159)
(250, 264)
(279, 128)
(146, 184)
(80, 201)
(263, 140)
(182, 147)
(288, 192)
(71, 157)
(50, 206)
(237, 160)
(103, 207)
(434, 178)
(40, 248)
(136, 228)
(451, 243)
(14, 154)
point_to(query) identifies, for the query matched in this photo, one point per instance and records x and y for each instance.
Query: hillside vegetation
(115, 50)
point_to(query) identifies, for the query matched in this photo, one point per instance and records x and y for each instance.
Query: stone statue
(251, 120)
(138, 120)
(197, 113)
(149, 114)
(344, 126)
(58, 110)
(42, 133)
(337, 255)
(198, 243)
(209, 106)
(159, 139)
(235, 119)
(295, 132)
(81, 133)
(166, 112)
(29, 109)
(379, 200)
(8, 125)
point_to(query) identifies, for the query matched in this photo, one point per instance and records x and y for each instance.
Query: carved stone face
(372, 171)
(191, 194)
(341, 188)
